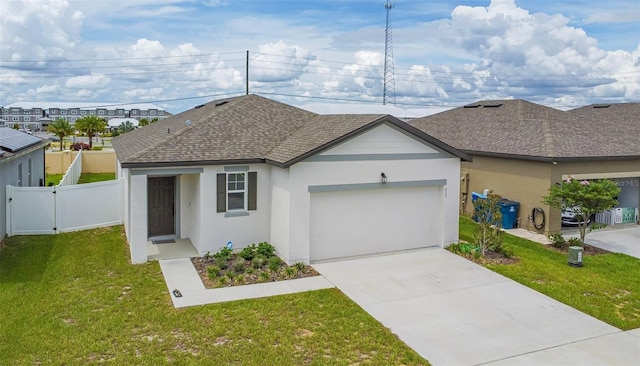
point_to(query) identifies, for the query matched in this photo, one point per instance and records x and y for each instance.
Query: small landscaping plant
(253, 264)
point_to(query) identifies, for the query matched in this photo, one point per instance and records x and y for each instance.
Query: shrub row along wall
(57, 162)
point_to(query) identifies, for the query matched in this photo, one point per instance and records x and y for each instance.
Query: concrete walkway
(181, 275)
(455, 312)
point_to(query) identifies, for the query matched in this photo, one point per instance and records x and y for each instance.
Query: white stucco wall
(216, 229)
(280, 211)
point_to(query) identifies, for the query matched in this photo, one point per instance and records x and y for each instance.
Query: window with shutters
(236, 192)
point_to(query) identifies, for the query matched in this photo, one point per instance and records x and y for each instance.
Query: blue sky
(178, 54)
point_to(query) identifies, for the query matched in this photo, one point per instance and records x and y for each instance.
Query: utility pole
(247, 75)
(389, 84)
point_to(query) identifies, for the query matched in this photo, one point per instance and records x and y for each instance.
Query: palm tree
(61, 128)
(91, 125)
(126, 127)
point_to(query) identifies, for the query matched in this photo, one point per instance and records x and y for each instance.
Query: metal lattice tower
(389, 84)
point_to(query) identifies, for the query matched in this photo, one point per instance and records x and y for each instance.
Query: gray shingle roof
(242, 130)
(532, 131)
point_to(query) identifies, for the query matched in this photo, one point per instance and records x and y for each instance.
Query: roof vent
(471, 106)
(601, 105)
(198, 106)
(222, 103)
(492, 105)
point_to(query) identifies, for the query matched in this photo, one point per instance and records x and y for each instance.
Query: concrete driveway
(618, 239)
(454, 312)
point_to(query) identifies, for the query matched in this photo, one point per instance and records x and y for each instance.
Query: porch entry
(161, 193)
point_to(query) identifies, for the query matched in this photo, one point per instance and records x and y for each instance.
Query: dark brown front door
(161, 201)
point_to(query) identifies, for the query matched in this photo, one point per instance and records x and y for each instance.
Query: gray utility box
(575, 256)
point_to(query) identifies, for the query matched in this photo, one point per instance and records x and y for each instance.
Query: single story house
(21, 165)
(520, 149)
(249, 169)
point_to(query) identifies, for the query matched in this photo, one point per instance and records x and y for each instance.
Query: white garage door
(361, 222)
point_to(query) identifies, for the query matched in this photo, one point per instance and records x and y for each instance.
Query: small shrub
(248, 252)
(465, 249)
(223, 253)
(79, 146)
(250, 270)
(575, 242)
(213, 271)
(265, 249)
(291, 272)
(274, 264)
(264, 275)
(222, 280)
(507, 251)
(230, 274)
(207, 256)
(300, 266)
(557, 240)
(239, 264)
(222, 263)
(240, 279)
(258, 262)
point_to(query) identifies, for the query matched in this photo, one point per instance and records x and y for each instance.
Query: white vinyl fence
(51, 210)
(72, 175)
(620, 215)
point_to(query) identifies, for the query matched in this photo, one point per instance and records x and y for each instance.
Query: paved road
(454, 312)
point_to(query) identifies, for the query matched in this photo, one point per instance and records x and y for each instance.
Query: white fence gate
(51, 210)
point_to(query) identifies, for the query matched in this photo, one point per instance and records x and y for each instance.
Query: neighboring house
(520, 149)
(250, 169)
(21, 165)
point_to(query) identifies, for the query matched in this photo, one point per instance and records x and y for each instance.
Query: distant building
(37, 115)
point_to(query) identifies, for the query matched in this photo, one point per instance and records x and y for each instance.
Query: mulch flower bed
(233, 275)
(587, 249)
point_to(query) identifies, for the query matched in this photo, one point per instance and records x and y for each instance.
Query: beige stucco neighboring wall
(517, 180)
(527, 182)
(57, 162)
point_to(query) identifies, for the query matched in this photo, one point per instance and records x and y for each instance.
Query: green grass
(84, 178)
(53, 179)
(96, 177)
(607, 287)
(73, 298)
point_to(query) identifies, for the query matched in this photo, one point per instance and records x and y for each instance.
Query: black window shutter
(253, 190)
(222, 192)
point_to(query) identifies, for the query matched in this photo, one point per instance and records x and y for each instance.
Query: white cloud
(93, 81)
(41, 30)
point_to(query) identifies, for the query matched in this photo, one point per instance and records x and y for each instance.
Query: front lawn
(607, 287)
(73, 298)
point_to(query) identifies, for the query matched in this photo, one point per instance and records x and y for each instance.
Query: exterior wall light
(383, 178)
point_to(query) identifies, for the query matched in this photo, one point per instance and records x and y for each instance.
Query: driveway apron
(455, 312)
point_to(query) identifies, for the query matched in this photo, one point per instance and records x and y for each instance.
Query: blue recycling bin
(509, 211)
